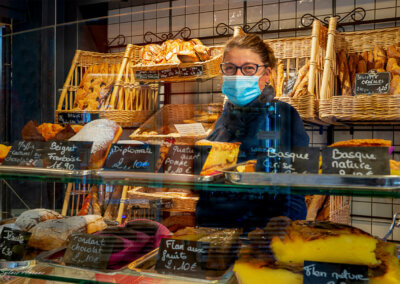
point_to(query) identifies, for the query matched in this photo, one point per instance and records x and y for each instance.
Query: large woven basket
(210, 68)
(367, 108)
(294, 50)
(169, 115)
(129, 104)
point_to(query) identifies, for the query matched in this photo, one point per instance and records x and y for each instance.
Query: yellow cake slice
(389, 270)
(326, 242)
(222, 155)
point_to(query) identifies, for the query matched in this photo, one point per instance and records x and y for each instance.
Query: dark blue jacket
(243, 124)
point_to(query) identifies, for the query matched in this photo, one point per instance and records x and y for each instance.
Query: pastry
(52, 234)
(392, 52)
(393, 67)
(379, 57)
(222, 155)
(103, 133)
(29, 219)
(203, 52)
(4, 152)
(363, 143)
(30, 132)
(187, 56)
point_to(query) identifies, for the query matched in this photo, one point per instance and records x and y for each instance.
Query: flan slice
(325, 242)
(222, 155)
(388, 272)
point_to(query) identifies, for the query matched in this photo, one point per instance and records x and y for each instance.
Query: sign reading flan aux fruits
(300, 160)
(356, 161)
(86, 250)
(62, 155)
(334, 273)
(13, 244)
(182, 257)
(127, 157)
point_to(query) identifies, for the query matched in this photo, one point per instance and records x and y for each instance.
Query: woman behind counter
(247, 64)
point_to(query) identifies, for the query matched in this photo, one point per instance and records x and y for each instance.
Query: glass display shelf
(304, 184)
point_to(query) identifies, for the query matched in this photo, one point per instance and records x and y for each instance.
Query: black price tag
(147, 75)
(13, 244)
(192, 71)
(66, 155)
(23, 153)
(76, 118)
(93, 251)
(301, 160)
(334, 273)
(127, 157)
(170, 72)
(181, 257)
(356, 161)
(372, 83)
(185, 159)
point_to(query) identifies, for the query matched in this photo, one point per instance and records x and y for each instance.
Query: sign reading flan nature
(356, 161)
(334, 273)
(86, 250)
(182, 257)
(128, 157)
(372, 83)
(185, 159)
(13, 244)
(76, 118)
(300, 160)
(23, 153)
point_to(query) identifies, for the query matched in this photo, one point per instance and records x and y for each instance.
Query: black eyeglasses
(248, 69)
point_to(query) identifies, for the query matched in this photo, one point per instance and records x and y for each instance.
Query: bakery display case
(107, 176)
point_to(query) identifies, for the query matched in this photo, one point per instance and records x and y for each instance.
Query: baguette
(280, 79)
(301, 75)
(370, 62)
(362, 66)
(302, 87)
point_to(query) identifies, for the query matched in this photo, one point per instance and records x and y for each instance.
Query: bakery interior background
(39, 39)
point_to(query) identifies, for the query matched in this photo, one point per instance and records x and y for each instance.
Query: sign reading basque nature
(356, 161)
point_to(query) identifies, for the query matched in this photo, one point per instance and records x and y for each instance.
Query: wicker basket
(210, 69)
(367, 108)
(339, 209)
(293, 50)
(129, 104)
(169, 115)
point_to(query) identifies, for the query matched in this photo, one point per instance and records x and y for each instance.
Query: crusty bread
(52, 234)
(103, 133)
(29, 219)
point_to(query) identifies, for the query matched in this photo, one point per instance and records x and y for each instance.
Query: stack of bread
(277, 252)
(51, 230)
(379, 59)
(174, 52)
(95, 89)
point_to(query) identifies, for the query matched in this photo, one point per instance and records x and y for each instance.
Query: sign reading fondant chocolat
(23, 153)
(66, 155)
(13, 244)
(334, 273)
(127, 157)
(86, 250)
(76, 118)
(356, 161)
(181, 257)
(372, 83)
(185, 159)
(301, 160)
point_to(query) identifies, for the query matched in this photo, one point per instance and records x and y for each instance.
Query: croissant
(392, 52)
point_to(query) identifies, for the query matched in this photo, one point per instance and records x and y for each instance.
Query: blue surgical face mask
(241, 90)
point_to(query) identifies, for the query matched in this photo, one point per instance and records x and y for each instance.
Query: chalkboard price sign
(147, 75)
(127, 157)
(356, 161)
(23, 153)
(301, 160)
(181, 257)
(13, 244)
(76, 118)
(372, 83)
(185, 159)
(87, 250)
(334, 273)
(66, 155)
(170, 72)
(192, 71)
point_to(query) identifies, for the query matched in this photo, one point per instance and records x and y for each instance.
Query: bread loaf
(52, 234)
(29, 219)
(392, 52)
(393, 67)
